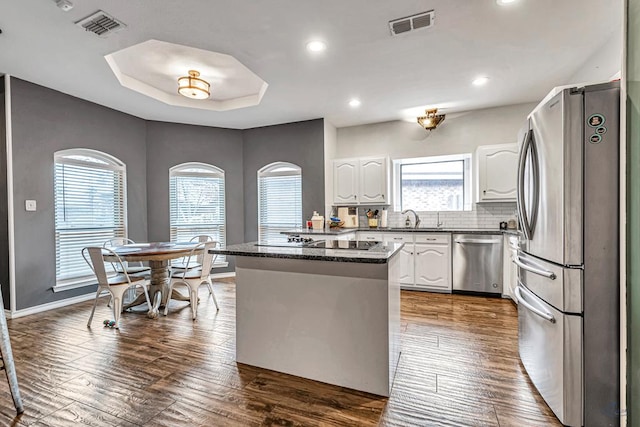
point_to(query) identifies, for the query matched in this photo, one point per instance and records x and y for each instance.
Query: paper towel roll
(383, 218)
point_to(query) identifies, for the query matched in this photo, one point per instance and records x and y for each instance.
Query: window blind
(197, 203)
(89, 209)
(279, 201)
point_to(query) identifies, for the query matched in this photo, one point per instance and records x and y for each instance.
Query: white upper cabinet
(373, 181)
(361, 181)
(345, 181)
(497, 170)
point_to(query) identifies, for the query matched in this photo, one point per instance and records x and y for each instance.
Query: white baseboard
(223, 275)
(49, 306)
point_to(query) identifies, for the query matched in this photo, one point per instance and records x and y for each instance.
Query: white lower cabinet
(433, 262)
(425, 259)
(345, 236)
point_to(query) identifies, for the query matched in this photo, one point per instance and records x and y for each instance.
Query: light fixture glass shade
(193, 87)
(431, 120)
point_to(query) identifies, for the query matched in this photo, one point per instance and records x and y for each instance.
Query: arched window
(196, 194)
(279, 199)
(90, 208)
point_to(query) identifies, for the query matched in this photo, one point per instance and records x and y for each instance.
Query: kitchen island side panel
(333, 322)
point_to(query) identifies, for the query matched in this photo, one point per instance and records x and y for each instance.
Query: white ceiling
(525, 48)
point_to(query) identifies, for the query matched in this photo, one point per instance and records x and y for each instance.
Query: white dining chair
(179, 265)
(130, 267)
(193, 278)
(115, 285)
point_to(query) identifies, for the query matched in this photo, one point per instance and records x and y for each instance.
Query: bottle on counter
(407, 222)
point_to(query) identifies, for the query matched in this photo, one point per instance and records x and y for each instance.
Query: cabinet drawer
(433, 238)
(398, 237)
(365, 235)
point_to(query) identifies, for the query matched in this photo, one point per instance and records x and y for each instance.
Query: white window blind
(90, 206)
(197, 194)
(279, 200)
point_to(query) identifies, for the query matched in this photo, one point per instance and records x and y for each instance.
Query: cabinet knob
(383, 196)
(484, 191)
(355, 197)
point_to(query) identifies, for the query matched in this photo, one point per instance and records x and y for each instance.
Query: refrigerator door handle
(524, 303)
(535, 165)
(539, 271)
(522, 210)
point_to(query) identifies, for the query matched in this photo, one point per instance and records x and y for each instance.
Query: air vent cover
(412, 23)
(101, 24)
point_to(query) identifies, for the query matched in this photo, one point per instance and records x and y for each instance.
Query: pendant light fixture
(431, 120)
(193, 87)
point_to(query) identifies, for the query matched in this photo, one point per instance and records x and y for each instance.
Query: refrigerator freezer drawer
(550, 345)
(559, 286)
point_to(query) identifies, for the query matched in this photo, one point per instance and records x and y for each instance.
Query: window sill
(68, 287)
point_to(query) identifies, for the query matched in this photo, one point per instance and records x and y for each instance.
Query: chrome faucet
(438, 223)
(417, 218)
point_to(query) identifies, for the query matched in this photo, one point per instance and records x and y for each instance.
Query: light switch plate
(30, 205)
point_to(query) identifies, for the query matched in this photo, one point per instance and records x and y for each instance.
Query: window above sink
(440, 183)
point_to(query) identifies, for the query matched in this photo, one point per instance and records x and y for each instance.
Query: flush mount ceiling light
(431, 120)
(316, 46)
(480, 81)
(193, 87)
(355, 103)
(505, 2)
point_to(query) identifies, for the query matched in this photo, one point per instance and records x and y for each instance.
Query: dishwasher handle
(481, 241)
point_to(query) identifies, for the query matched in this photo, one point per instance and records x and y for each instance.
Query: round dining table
(158, 255)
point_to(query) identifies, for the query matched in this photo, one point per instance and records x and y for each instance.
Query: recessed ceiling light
(505, 2)
(354, 103)
(316, 46)
(480, 81)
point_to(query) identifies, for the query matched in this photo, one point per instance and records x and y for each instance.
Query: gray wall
(170, 144)
(43, 122)
(301, 143)
(4, 238)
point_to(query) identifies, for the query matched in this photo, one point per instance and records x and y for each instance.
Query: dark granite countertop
(376, 255)
(339, 231)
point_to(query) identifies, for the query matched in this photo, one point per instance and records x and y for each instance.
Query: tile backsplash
(486, 215)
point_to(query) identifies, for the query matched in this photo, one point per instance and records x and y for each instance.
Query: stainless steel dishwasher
(477, 263)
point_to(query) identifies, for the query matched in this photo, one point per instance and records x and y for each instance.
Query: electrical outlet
(30, 205)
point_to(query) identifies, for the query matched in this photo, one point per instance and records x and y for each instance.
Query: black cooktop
(345, 244)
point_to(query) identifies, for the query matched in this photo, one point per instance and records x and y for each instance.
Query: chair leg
(166, 306)
(117, 310)
(215, 301)
(146, 296)
(93, 310)
(194, 302)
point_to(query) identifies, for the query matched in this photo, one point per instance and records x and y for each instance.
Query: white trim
(223, 275)
(14, 314)
(68, 287)
(10, 213)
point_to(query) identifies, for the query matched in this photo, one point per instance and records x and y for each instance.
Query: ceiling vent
(412, 23)
(101, 24)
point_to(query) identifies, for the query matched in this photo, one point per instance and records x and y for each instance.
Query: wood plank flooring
(459, 367)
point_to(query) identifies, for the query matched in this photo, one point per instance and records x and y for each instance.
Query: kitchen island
(330, 315)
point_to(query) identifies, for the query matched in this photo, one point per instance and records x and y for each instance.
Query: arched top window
(279, 199)
(90, 208)
(197, 202)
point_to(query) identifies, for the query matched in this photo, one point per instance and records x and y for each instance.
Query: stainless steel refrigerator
(569, 261)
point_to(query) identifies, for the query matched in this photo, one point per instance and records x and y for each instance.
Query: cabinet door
(345, 182)
(433, 266)
(406, 264)
(373, 181)
(497, 172)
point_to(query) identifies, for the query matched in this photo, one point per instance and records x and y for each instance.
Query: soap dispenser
(407, 222)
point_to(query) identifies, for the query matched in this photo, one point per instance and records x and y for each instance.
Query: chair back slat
(207, 259)
(94, 256)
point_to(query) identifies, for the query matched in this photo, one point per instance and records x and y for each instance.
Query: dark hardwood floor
(459, 367)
